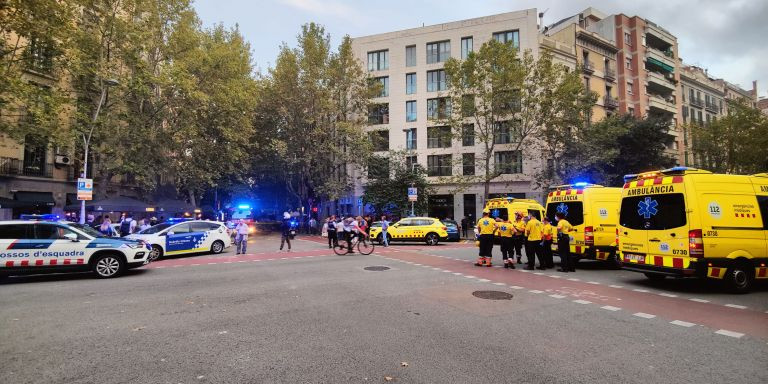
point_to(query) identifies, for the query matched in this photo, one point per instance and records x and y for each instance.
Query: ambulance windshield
(573, 211)
(653, 212)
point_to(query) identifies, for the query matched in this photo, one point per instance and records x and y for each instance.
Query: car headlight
(132, 245)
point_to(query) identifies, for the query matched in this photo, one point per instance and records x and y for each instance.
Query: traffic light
(314, 209)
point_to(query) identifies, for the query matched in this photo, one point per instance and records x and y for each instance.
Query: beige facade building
(409, 64)
(703, 102)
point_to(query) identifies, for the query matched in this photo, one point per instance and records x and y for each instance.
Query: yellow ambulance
(593, 211)
(687, 222)
(506, 207)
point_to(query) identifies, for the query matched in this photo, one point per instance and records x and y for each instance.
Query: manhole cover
(376, 268)
(492, 295)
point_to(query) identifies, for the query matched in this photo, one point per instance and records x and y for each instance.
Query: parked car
(452, 229)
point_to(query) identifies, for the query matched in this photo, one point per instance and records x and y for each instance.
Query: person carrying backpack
(127, 226)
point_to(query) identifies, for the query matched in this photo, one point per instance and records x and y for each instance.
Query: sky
(723, 36)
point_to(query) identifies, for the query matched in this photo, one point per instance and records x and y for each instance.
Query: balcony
(16, 167)
(588, 67)
(661, 59)
(610, 102)
(665, 81)
(658, 33)
(610, 75)
(660, 104)
(712, 107)
(696, 102)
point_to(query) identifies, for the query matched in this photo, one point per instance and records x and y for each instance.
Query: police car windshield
(87, 230)
(155, 229)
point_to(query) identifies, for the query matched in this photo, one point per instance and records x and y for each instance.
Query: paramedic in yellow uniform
(567, 264)
(486, 227)
(533, 243)
(507, 252)
(547, 234)
(518, 236)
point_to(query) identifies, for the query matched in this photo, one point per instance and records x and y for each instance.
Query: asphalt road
(310, 316)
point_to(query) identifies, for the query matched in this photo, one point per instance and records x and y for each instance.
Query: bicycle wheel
(340, 250)
(365, 247)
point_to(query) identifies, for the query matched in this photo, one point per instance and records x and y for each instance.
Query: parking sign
(84, 189)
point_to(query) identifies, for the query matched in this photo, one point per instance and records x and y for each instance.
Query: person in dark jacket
(285, 230)
(332, 238)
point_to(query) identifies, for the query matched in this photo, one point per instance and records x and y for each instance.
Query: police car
(182, 236)
(42, 244)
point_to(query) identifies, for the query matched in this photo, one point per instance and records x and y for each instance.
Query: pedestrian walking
(127, 225)
(518, 237)
(384, 229)
(533, 243)
(485, 228)
(144, 224)
(365, 224)
(465, 227)
(312, 226)
(333, 240)
(106, 227)
(286, 231)
(547, 234)
(241, 237)
(90, 221)
(506, 231)
(567, 264)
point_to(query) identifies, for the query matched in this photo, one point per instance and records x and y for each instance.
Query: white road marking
(515, 287)
(469, 276)
(535, 291)
(640, 290)
(582, 302)
(524, 270)
(227, 262)
(616, 286)
(736, 306)
(458, 273)
(555, 276)
(446, 271)
(729, 333)
(159, 267)
(498, 284)
(557, 296)
(195, 265)
(611, 308)
(242, 261)
(682, 323)
(574, 279)
(483, 280)
(699, 300)
(418, 265)
(538, 273)
(593, 282)
(644, 315)
(667, 295)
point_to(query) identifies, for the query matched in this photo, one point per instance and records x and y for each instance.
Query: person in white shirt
(241, 236)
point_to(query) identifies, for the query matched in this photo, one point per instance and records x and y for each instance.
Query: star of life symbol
(495, 213)
(485, 222)
(562, 208)
(503, 227)
(647, 208)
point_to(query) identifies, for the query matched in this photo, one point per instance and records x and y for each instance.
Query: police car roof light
(45, 217)
(243, 206)
(178, 220)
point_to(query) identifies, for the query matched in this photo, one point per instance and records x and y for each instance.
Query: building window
(438, 109)
(410, 138)
(468, 135)
(439, 165)
(505, 133)
(384, 82)
(439, 137)
(508, 162)
(436, 81)
(411, 162)
(39, 55)
(685, 114)
(35, 148)
(468, 105)
(379, 140)
(378, 168)
(378, 114)
(629, 88)
(410, 83)
(508, 36)
(410, 56)
(700, 117)
(627, 39)
(586, 84)
(468, 164)
(410, 111)
(378, 60)
(438, 52)
(466, 47)
(628, 62)
(631, 111)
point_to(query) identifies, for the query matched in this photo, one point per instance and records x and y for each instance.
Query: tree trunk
(192, 199)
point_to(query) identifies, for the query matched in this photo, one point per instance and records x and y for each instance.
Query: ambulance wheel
(217, 246)
(739, 278)
(108, 265)
(156, 253)
(654, 276)
(432, 239)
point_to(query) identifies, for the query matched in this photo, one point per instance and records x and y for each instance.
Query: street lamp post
(87, 140)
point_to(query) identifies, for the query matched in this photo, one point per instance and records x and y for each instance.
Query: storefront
(440, 206)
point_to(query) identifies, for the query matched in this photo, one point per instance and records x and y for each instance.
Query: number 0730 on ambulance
(687, 222)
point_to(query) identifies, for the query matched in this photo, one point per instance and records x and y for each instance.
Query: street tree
(389, 178)
(507, 100)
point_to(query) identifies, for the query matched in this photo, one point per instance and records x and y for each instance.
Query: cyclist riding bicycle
(351, 229)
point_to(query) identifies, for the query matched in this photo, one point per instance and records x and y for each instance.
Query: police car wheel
(217, 246)
(155, 253)
(738, 278)
(432, 239)
(109, 265)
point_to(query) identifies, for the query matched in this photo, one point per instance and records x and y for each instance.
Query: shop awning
(661, 64)
(35, 198)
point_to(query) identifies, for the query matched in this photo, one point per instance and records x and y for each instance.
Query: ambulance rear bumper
(693, 271)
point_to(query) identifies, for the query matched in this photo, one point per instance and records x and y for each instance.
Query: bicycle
(364, 246)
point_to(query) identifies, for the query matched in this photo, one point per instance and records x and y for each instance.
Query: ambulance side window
(15, 231)
(762, 201)
(535, 213)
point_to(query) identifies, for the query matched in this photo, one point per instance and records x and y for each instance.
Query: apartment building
(703, 102)
(595, 58)
(762, 105)
(409, 65)
(735, 92)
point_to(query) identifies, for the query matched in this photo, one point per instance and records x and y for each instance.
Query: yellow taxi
(593, 211)
(426, 229)
(687, 222)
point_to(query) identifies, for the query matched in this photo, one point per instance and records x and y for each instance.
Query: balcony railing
(697, 102)
(16, 167)
(610, 74)
(587, 67)
(712, 107)
(610, 102)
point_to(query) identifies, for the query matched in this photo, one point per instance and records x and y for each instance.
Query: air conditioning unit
(63, 160)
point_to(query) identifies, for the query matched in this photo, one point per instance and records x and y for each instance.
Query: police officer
(486, 227)
(567, 264)
(507, 251)
(533, 243)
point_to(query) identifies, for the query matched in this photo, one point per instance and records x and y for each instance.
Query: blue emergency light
(45, 217)
(580, 184)
(176, 220)
(243, 206)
